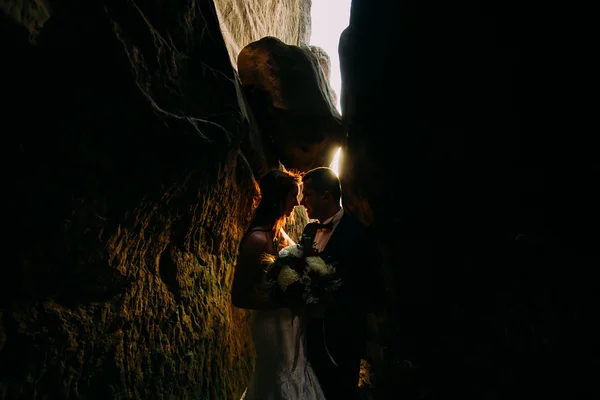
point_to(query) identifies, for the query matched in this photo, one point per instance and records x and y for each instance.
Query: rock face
(130, 177)
(487, 223)
(244, 22)
(324, 60)
(291, 98)
(325, 63)
(129, 196)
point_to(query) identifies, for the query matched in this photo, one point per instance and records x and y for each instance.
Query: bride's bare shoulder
(256, 239)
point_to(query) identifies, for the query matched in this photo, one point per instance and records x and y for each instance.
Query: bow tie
(328, 226)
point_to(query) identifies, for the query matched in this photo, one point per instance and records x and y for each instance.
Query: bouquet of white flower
(298, 272)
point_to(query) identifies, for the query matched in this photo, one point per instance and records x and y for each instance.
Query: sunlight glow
(329, 19)
(287, 237)
(335, 164)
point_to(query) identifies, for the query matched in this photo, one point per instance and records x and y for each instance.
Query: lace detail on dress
(281, 370)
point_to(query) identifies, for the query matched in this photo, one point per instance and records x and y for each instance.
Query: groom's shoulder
(353, 228)
(353, 223)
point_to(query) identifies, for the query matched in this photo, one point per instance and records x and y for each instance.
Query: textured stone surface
(324, 60)
(293, 102)
(129, 197)
(243, 22)
(325, 63)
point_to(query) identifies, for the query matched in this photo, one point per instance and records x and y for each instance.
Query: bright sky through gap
(329, 19)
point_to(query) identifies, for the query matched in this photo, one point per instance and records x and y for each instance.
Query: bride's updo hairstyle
(274, 188)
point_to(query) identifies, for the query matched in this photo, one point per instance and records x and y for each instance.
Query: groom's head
(321, 192)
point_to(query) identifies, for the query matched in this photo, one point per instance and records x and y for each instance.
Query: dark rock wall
(129, 195)
(292, 101)
(466, 150)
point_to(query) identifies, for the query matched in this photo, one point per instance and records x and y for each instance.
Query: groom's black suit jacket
(352, 247)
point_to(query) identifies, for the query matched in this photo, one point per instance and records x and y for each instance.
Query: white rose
(286, 277)
(318, 265)
(296, 251)
(290, 251)
(284, 253)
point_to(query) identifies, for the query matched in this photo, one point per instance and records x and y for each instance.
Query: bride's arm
(249, 289)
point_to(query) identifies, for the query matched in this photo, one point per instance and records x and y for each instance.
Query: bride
(281, 370)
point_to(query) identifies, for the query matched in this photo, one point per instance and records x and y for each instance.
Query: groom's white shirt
(322, 236)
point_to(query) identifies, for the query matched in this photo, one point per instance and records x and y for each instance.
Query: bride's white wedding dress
(281, 370)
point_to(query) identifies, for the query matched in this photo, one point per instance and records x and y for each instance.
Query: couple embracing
(312, 352)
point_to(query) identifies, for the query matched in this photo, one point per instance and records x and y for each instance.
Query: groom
(336, 342)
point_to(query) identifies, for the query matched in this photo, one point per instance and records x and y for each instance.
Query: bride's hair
(274, 188)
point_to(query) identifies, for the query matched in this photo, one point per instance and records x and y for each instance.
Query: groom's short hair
(324, 179)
